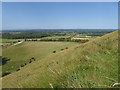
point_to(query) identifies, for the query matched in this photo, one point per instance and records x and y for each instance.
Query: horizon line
(54, 29)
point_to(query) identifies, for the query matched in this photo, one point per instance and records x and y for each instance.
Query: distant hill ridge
(18, 30)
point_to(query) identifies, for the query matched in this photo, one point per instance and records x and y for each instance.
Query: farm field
(6, 42)
(56, 37)
(84, 37)
(93, 64)
(21, 54)
(9, 40)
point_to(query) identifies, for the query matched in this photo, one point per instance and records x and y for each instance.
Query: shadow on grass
(3, 60)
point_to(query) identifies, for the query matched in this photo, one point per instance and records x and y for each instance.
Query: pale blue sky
(60, 15)
(0, 16)
(60, 0)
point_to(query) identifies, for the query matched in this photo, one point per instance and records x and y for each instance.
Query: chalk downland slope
(22, 54)
(90, 65)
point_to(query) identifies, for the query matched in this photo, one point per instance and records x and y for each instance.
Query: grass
(97, 72)
(51, 37)
(9, 40)
(89, 65)
(21, 54)
(85, 36)
(55, 37)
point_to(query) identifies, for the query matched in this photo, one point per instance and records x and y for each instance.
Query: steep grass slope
(92, 64)
(21, 54)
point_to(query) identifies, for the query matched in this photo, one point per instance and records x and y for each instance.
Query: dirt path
(17, 43)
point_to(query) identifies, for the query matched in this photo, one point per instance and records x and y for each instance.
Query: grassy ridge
(92, 64)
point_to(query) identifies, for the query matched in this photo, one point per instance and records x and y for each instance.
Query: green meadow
(93, 64)
(21, 54)
(9, 40)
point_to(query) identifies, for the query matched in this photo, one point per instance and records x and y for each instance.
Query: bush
(33, 58)
(54, 51)
(18, 40)
(4, 60)
(22, 65)
(5, 73)
(17, 69)
(57, 62)
(30, 61)
(61, 49)
(66, 48)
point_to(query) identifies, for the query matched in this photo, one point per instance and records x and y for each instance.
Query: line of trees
(24, 35)
(58, 39)
(27, 35)
(40, 34)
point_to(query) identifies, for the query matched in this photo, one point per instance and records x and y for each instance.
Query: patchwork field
(93, 64)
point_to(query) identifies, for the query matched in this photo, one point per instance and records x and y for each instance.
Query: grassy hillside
(22, 53)
(92, 64)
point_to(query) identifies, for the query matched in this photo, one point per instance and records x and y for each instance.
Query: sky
(59, 15)
(0, 16)
(60, 0)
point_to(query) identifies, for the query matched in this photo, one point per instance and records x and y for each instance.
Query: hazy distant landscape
(59, 45)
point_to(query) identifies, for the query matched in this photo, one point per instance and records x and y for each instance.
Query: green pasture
(21, 54)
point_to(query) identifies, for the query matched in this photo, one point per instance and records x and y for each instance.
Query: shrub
(4, 60)
(61, 49)
(57, 62)
(18, 40)
(25, 63)
(18, 69)
(5, 73)
(66, 48)
(33, 58)
(22, 65)
(54, 51)
(30, 61)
